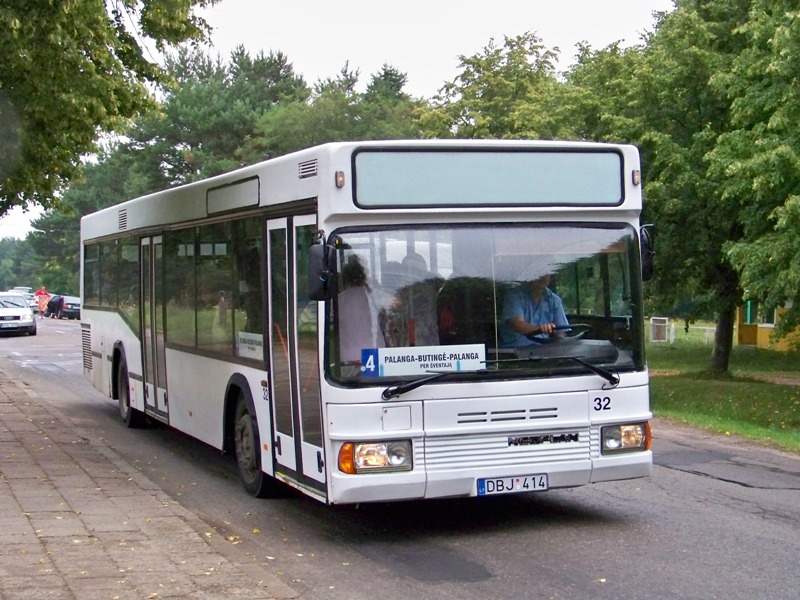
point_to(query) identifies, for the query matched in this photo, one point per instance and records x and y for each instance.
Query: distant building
(755, 326)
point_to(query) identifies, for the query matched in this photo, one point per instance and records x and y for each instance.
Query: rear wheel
(247, 446)
(130, 416)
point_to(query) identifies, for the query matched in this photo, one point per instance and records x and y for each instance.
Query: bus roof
(310, 174)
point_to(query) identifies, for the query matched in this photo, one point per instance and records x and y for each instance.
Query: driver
(531, 312)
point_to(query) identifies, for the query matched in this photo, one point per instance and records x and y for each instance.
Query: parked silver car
(16, 315)
(32, 302)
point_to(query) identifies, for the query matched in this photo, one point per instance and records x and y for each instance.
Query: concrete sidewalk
(77, 522)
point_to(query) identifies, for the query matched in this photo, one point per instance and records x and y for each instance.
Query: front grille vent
(123, 219)
(86, 346)
(508, 416)
(308, 168)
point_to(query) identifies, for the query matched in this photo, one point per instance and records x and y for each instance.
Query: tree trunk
(723, 338)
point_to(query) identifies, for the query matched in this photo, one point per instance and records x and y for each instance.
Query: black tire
(131, 417)
(247, 446)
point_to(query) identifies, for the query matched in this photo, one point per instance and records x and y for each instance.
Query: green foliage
(495, 93)
(54, 242)
(207, 114)
(661, 97)
(73, 70)
(335, 112)
(205, 125)
(601, 103)
(759, 160)
(19, 264)
(10, 275)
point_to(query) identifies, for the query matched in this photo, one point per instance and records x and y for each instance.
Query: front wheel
(247, 446)
(131, 417)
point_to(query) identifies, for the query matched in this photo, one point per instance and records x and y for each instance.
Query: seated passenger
(358, 323)
(415, 310)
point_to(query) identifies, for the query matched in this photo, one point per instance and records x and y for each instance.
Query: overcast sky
(421, 38)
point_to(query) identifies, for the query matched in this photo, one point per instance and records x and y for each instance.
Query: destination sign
(418, 360)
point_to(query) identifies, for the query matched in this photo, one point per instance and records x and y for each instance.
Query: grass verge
(741, 404)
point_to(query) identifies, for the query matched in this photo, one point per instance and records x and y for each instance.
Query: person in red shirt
(42, 298)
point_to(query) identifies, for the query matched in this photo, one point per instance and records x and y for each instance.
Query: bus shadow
(440, 540)
(471, 515)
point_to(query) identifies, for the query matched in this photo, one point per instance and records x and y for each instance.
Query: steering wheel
(574, 332)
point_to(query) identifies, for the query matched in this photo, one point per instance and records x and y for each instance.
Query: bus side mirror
(646, 250)
(320, 258)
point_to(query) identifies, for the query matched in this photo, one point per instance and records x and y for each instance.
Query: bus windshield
(489, 301)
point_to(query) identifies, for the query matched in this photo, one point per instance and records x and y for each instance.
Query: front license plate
(512, 485)
(8, 325)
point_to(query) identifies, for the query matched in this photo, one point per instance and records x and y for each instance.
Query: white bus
(344, 319)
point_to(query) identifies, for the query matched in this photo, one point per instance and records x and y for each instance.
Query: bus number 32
(602, 403)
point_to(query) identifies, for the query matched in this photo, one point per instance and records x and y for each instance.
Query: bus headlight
(375, 457)
(625, 438)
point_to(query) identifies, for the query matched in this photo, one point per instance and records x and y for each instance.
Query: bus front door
(153, 351)
(294, 358)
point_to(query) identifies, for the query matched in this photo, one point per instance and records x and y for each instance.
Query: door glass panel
(279, 304)
(158, 316)
(147, 326)
(307, 348)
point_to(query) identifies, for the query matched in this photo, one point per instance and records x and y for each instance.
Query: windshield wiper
(610, 377)
(394, 391)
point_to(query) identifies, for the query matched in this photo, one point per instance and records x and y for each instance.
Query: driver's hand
(548, 328)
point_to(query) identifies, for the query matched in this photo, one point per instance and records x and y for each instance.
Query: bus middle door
(153, 350)
(294, 358)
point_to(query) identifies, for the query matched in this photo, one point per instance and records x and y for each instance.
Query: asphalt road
(719, 518)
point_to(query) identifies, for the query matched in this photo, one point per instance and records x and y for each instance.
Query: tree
(686, 114)
(9, 274)
(73, 71)
(601, 99)
(386, 111)
(336, 111)
(53, 247)
(208, 113)
(495, 92)
(670, 107)
(758, 161)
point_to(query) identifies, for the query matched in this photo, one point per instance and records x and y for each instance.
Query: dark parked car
(64, 307)
(71, 308)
